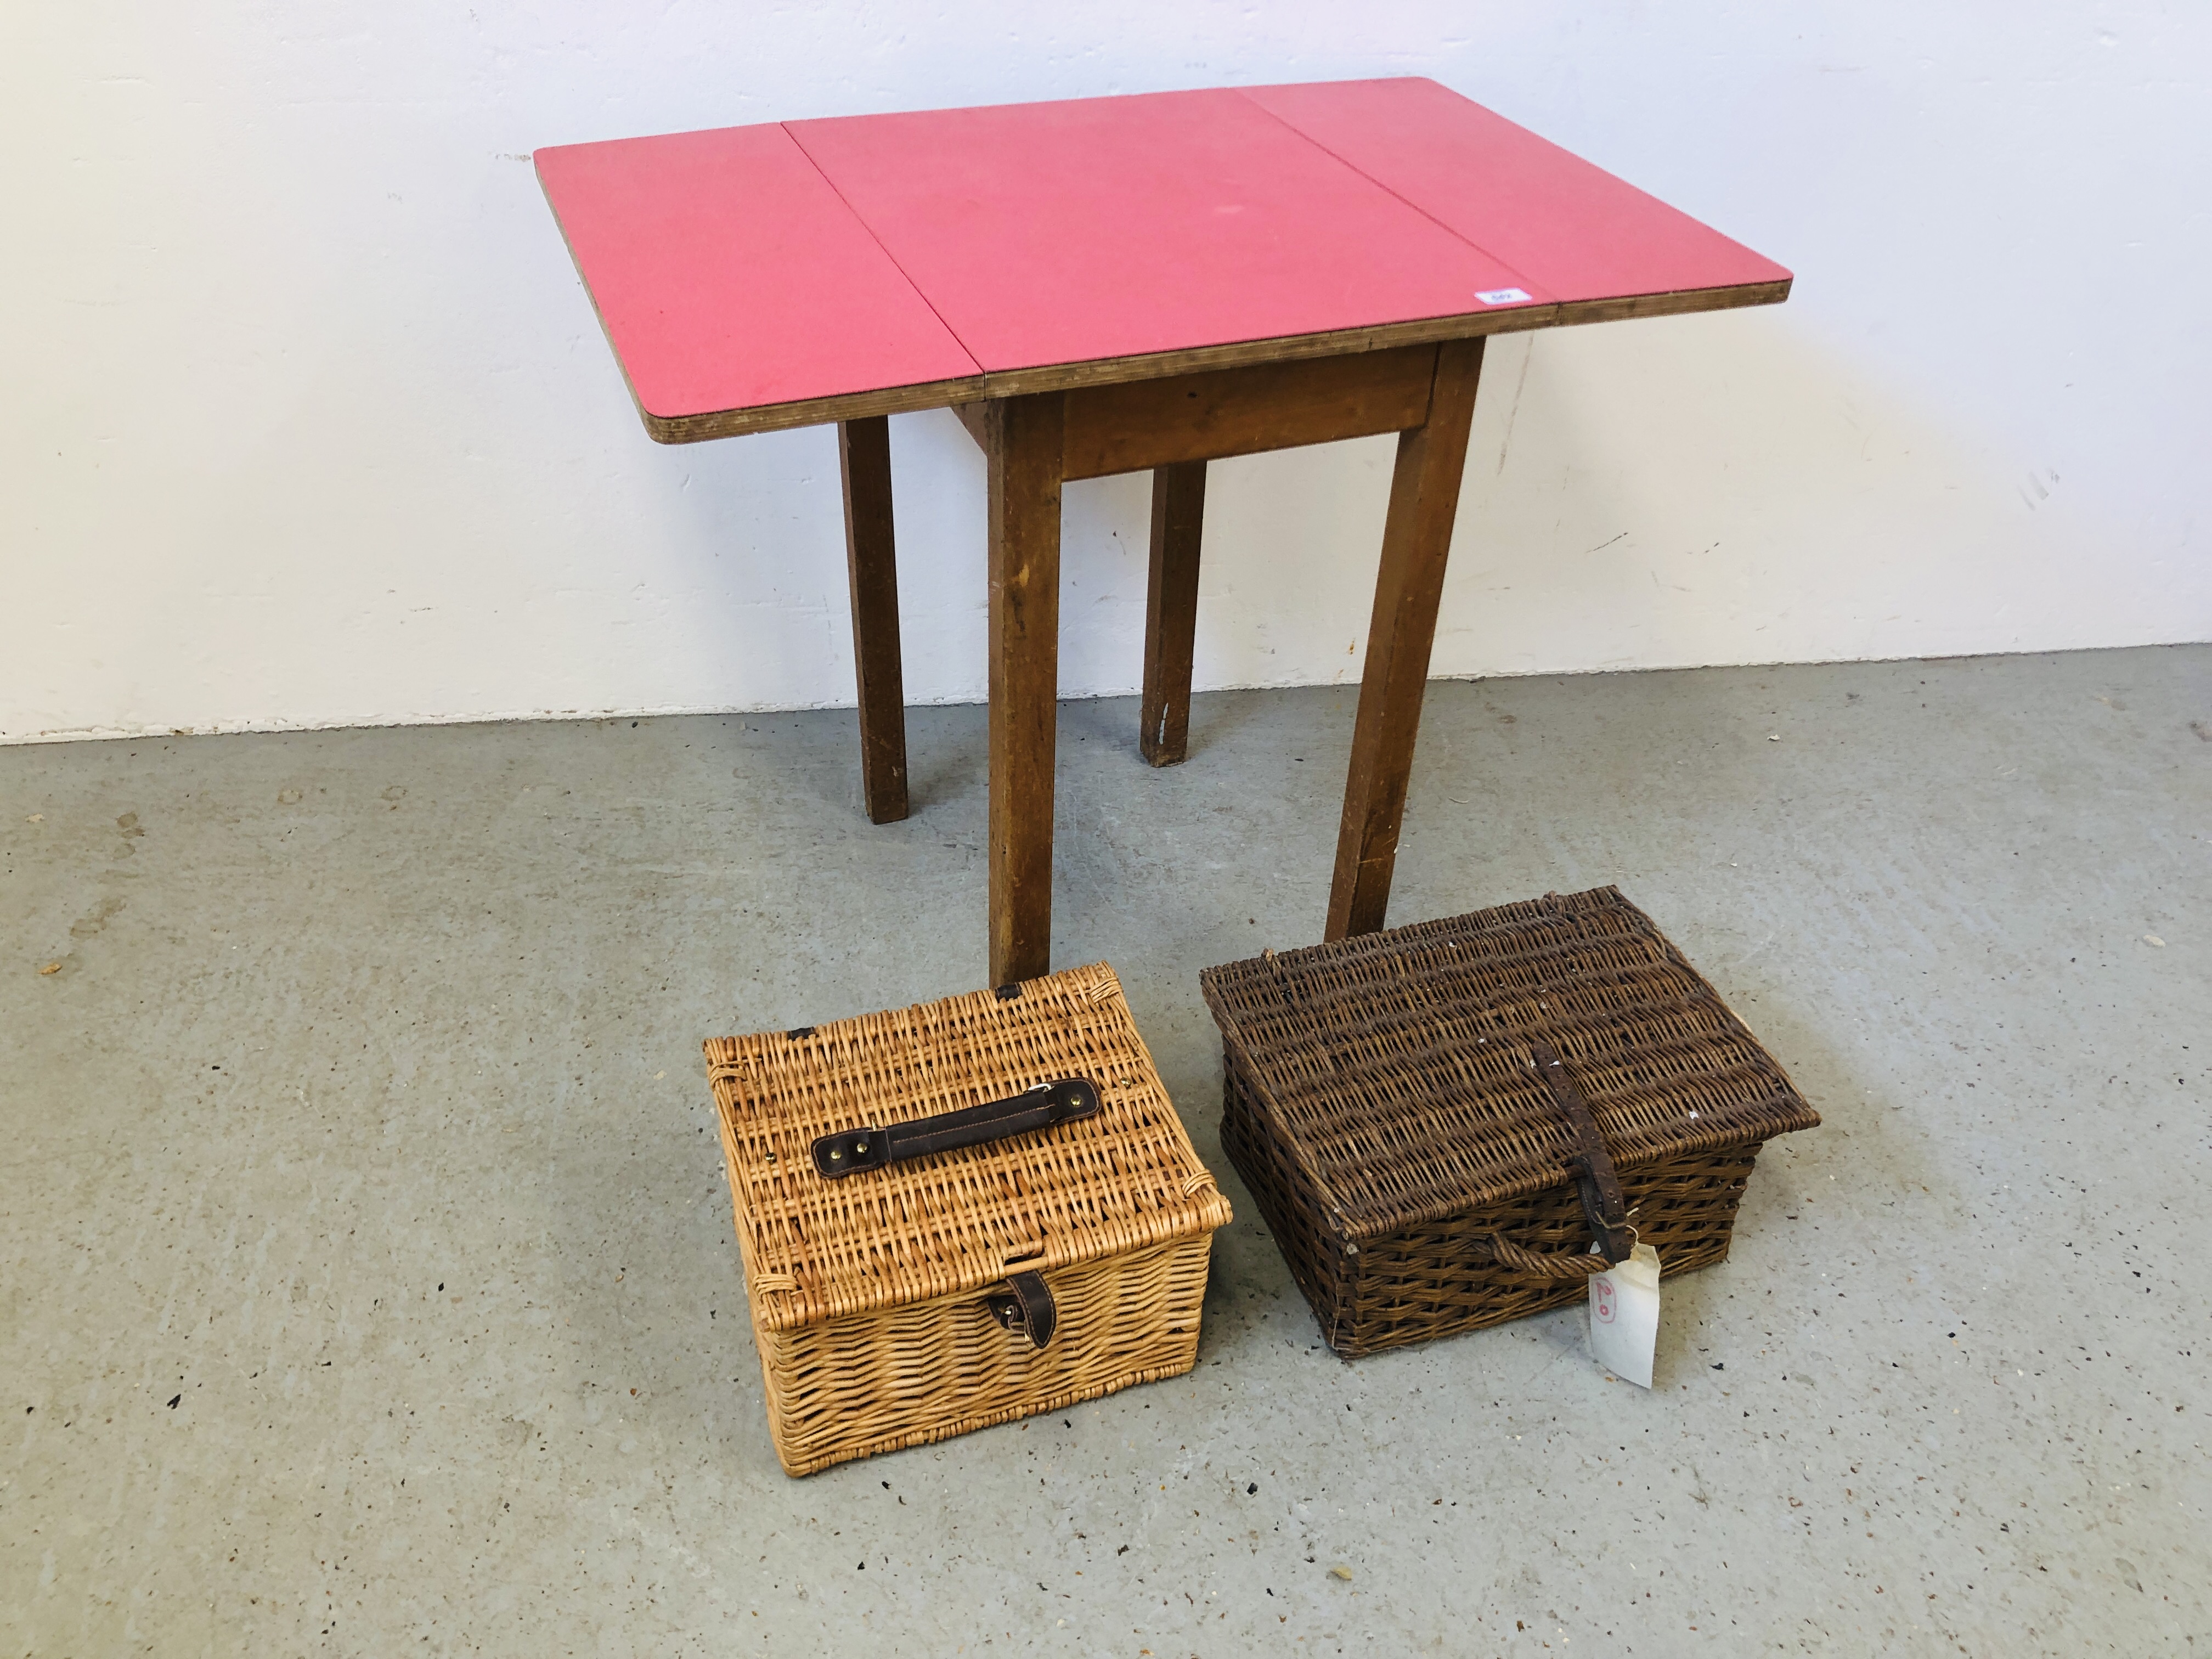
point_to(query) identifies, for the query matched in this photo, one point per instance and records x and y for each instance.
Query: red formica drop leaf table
(1111, 285)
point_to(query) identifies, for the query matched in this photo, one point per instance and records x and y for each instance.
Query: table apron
(1136, 425)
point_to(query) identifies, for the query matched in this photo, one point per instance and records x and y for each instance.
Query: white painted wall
(304, 419)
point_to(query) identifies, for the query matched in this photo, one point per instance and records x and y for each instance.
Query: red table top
(783, 274)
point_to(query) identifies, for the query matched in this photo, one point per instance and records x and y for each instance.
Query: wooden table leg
(1171, 611)
(864, 457)
(1024, 459)
(1416, 540)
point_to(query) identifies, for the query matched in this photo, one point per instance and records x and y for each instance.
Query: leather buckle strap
(1602, 1201)
(1029, 1309)
(1046, 1106)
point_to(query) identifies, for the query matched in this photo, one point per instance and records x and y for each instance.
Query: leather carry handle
(1046, 1106)
(1029, 1309)
(1603, 1205)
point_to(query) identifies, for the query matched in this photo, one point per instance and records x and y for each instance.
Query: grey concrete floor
(369, 1285)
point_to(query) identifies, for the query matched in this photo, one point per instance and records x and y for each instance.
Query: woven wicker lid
(1395, 1065)
(960, 1221)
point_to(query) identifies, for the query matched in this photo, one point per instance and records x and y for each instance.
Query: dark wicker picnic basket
(1437, 1120)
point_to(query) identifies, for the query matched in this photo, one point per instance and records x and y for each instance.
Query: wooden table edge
(1104, 370)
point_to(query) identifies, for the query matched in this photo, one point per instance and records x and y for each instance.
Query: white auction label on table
(1624, 1315)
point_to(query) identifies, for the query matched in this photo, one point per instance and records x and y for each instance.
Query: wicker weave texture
(1433, 1278)
(1397, 1063)
(1382, 1105)
(867, 1293)
(908, 1376)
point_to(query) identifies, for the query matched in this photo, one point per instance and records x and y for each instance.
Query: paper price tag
(1624, 1316)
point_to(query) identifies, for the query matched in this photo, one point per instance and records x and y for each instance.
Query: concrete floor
(369, 1285)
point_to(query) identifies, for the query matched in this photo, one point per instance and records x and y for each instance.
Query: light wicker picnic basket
(1439, 1120)
(960, 1213)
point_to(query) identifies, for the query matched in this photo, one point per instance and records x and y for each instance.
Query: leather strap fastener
(1603, 1205)
(1029, 1309)
(1046, 1106)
